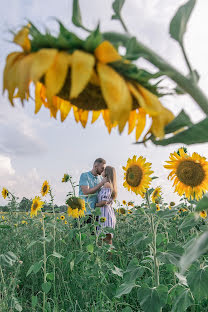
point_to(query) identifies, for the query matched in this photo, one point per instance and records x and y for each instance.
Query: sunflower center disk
(134, 175)
(44, 188)
(190, 173)
(35, 206)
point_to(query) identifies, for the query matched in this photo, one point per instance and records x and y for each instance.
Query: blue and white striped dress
(107, 211)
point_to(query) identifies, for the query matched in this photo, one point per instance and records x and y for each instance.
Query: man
(89, 184)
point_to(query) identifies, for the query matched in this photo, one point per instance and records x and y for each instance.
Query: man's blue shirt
(87, 178)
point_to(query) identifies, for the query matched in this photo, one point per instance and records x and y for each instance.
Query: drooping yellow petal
(116, 94)
(153, 105)
(43, 60)
(76, 113)
(56, 74)
(95, 116)
(94, 79)
(141, 122)
(11, 58)
(106, 53)
(54, 107)
(83, 117)
(65, 108)
(81, 71)
(22, 39)
(24, 68)
(38, 99)
(108, 123)
(132, 121)
(159, 122)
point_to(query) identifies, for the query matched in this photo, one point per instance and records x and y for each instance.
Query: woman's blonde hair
(110, 174)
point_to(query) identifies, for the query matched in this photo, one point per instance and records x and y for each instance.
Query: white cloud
(6, 166)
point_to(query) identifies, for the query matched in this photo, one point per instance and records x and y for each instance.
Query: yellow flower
(5, 192)
(57, 218)
(170, 207)
(124, 202)
(157, 207)
(24, 222)
(76, 207)
(130, 212)
(66, 222)
(102, 219)
(83, 82)
(137, 175)
(65, 178)
(190, 174)
(203, 214)
(36, 205)
(156, 193)
(62, 217)
(122, 211)
(3, 218)
(130, 204)
(45, 188)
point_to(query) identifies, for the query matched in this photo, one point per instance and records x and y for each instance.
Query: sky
(35, 148)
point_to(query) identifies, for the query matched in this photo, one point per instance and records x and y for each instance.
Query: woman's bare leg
(108, 239)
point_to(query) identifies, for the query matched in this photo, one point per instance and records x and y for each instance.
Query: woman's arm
(101, 203)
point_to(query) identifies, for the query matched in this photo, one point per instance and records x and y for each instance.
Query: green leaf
(127, 309)
(182, 301)
(76, 15)
(152, 299)
(31, 244)
(180, 20)
(8, 259)
(93, 40)
(117, 271)
(195, 134)
(117, 6)
(46, 287)
(124, 289)
(202, 204)
(167, 214)
(198, 283)
(194, 251)
(34, 301)
(133, 271)
(90, 248)
(37, 266)
(30, 270)
(169, 257)
(180, 121)
(188, 223)
(50, 276)
(16, 304)
(57, 255)
(132, 50)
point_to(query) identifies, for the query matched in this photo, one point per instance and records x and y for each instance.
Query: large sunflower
(137, 175)
(156, 193)
(72, 74)
(76, 207)
(36, 205)
(45, 188)
(190, 174)
(4, 192)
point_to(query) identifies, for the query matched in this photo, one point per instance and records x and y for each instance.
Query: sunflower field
(52, 261)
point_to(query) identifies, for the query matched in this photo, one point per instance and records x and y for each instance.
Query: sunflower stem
(44, 261)
(186, 84)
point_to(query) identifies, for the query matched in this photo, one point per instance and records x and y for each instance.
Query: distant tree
(25, 204)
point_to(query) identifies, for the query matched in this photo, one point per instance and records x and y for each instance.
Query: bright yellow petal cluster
(76, 213)
(137, 175)
(36, 206)
(203, 214)
(84, 82)
(189, 173)
(157, 207)
(45, 188)
(5, 193)
(156, 194)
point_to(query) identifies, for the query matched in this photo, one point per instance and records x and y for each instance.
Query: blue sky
(35, 147)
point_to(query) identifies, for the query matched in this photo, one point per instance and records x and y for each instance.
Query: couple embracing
(98, 188)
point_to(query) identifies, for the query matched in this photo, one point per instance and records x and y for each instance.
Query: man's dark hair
(99, 161)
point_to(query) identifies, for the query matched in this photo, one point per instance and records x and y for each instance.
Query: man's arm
(86, 190)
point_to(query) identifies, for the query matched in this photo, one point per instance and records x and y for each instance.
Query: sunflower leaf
(180, 20)
(182, 120)
(202, 204)
(152, 299)
(93, 40)
(197, 133)
(117, 6)
(76, 15)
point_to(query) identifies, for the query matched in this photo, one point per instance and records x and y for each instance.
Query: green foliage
(198, 283)
(117, 7)
(153, 299)
(202, 204)
(76, 15)
(180, 20)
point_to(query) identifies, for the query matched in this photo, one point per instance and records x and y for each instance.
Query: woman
(106, 195)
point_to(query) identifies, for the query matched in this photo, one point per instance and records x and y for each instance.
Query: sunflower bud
(172, 204)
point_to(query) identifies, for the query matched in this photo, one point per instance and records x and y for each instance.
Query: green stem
(183, 82)
(44, 263)
(186, 58)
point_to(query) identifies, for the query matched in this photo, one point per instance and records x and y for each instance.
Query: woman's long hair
(110, 174)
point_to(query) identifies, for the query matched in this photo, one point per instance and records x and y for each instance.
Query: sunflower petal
(22, 39)
(56, 74)
(43, 60)
(24, 75)
(81, 71)
(159, 122)
(116, 94)
(141, 122)
(132, 121)
(152, 104)
(106, 53)
(38, 99)
(83, 117)
(95, 116)
(65, 108)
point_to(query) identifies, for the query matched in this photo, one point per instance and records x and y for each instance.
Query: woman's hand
(102, 203)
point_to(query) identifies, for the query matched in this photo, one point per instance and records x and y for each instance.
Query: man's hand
(104, 180)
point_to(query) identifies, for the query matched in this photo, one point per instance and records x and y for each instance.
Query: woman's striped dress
(107, 211)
